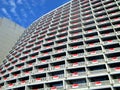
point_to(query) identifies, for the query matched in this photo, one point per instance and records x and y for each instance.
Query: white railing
(56, 88)
(109, 41)
(75, 64)
(58, 67)
(76, 55)
(92, 44)
(112, 49)
(56, 77)
(59, 58)
(99, 83)
(80, 86)
(98, 61)
(97, 71)
(76, 74)
(94, 52)
(76, 47)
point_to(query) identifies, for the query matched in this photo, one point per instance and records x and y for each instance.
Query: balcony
(56, 88)
(37, 80)
(58, 67)
(96, 61)
(40, 70)
(99, 84)
(76, 74)
(76, 64)
(115, 70)
(56, 77)
(77, 86)
(97, 72)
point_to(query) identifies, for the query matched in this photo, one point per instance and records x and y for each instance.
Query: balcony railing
(112, 49)
(40, 70)
(115, 58)
(98, 61)
(101, 71)
(59, 58)
(115, 69)
(77, 86)
(37, 80)
(55, 88)
(116, 81)
(57, 67)
(56, 77)
(76, 55)
(99, 83)
(76, 64)
(76, 74)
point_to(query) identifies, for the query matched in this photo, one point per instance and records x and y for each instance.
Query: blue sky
(24, 12)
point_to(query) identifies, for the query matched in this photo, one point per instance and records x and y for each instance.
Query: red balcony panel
(111, 49)
(27, 72)
(30, 64)
(47, 46)
(117, 68)
(89, 30)
(60, 50)
(75, 55)
(43, 61)
(15, 75)
(98, 83)
(75, 64)
(23, 82)
(5, 78)
(91, 44)
(53, 88)
(75, 47)
(33, 56)
(10, 84)
(109, 40)
(58, 58)
(55, 77)
(93, 52)
(57, 67)
(41, 69)
(75, 74)
(46, 53)
(114, 58)
(75, 85)
(23, 60)
(94, 61)
(38, 79)
(19, 67)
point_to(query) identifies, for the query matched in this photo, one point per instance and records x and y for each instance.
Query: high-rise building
(74, 47)
(9, 34)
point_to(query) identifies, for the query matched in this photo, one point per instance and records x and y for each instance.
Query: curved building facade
(74, 47)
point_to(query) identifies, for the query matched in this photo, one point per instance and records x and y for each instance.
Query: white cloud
(29, 7)
(19, 1)
(13, 9)
(12, 3)
(5, 12)
(13, 6)
(23, 13)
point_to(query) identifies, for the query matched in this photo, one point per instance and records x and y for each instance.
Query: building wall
(79, 50)
(9, 34)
